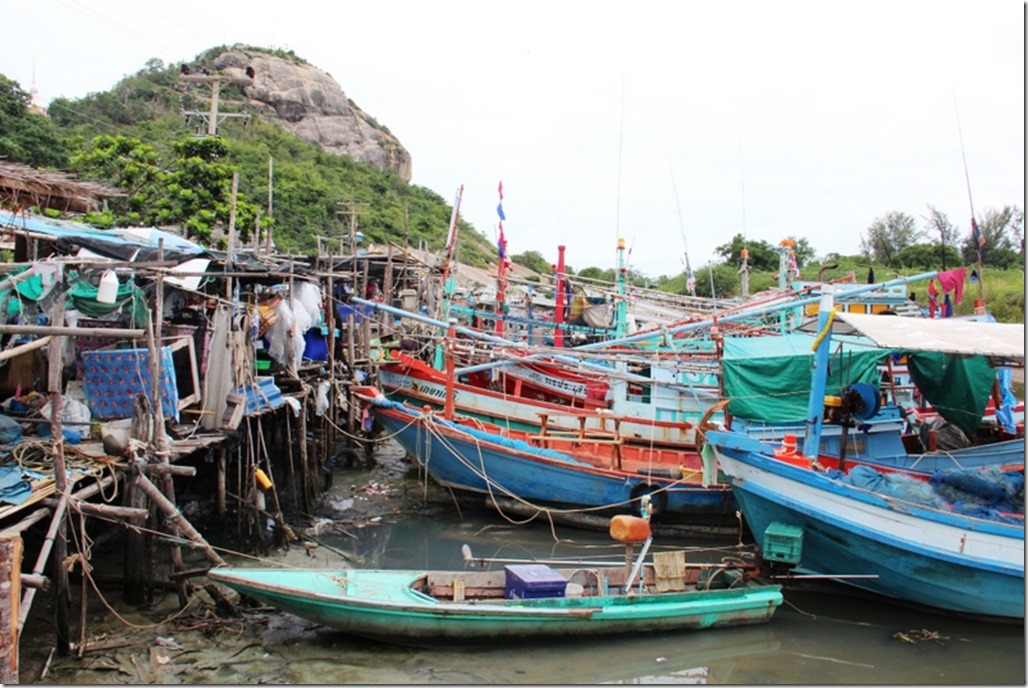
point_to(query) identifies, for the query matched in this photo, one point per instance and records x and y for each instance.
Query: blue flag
(499, 210)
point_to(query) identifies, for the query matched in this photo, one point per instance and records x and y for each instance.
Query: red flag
(500, 189)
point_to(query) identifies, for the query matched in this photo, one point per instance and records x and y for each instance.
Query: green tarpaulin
(81, 296)
(768, 378)
(958, 388)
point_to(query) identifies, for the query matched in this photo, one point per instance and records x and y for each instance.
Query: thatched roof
(22, 186)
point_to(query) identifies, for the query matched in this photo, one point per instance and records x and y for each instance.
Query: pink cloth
(953, 280)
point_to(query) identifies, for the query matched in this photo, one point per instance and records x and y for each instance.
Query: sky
(674, 124)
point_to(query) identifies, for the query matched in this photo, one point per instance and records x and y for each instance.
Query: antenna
(690, 280)
(621, 140)
(744, 269)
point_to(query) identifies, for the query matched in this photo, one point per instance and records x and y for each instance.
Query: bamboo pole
(44, 554)
(14, 351)
(55, 387)
(26, 523)
(172, 512)
(113, 332)
(103, 510)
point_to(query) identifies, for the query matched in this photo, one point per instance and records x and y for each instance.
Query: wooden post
(329, 425)
(10, 598)
(135, 562)
(304, 464)
(160, 437)
(55, 387)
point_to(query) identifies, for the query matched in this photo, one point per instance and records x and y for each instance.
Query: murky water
(816, 637)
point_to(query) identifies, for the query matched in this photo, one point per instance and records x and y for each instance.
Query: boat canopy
(769, 378)
(951, 360)
(1001, 343)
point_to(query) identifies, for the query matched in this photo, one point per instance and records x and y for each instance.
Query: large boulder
(309, 103)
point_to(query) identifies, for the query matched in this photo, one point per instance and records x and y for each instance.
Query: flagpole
(501, 267)
(976, 233)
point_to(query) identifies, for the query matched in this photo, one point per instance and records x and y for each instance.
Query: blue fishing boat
(588, 473)
(905, 544)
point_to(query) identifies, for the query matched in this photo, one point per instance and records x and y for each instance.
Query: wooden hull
(397, 606)
(920, 555)
(488, 464)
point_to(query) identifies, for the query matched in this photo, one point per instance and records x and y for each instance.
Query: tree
(126, 163)
(26, 137)
(600, 274)
(762, 256)
(1003, 235)
(949, 237)
(889, 235)
(533, 260)
(726, 281)
(927, 257)
(194, 191)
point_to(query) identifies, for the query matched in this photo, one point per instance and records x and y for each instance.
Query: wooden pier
(216, 380)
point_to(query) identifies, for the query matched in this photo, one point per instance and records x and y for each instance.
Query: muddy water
(817, 637)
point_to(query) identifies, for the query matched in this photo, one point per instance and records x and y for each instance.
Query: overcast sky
(675, 125)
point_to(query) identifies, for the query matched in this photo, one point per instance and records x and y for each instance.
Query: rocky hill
(309, 104)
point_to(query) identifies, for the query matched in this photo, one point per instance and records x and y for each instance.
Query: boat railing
(596, 437)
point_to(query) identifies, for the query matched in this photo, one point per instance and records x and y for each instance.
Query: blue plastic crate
(532, 581)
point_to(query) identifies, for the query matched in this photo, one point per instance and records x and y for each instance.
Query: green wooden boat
(478, 607)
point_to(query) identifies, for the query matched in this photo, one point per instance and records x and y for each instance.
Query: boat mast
(621, 306)
(449, 281)
(822, 345)
(558, 298)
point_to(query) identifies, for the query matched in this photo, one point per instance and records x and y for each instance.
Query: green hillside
(312, 193)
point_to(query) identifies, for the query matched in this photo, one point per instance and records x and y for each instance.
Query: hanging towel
(933, 298)
(953, 281)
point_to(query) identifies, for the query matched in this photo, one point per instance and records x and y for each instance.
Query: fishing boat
(405, 378)
(912, 547)
(578, 472)
(524, 602)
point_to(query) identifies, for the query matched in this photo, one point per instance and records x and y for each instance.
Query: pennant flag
(501, 243)
(977, 234)
(978, 237)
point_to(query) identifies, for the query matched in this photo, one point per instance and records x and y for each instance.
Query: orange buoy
(262, 479)
(627, 529)
(788, 447)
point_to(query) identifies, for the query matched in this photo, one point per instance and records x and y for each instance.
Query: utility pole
(216, 82)
(353, 209)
